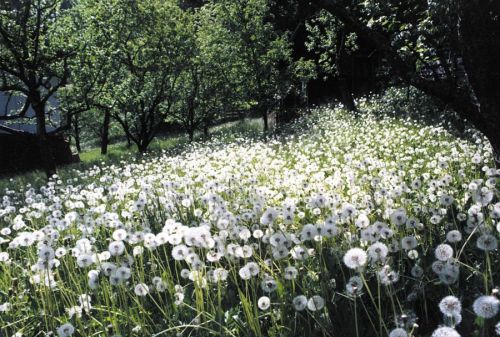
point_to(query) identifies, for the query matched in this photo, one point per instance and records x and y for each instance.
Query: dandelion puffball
(141, 289)
(299, 302)
(65, 330)
(450, 306)
(398, 332)
(443, 252)
(355, 258)
(264, 303)
(315, 303)
(445, 332)
(486, 306)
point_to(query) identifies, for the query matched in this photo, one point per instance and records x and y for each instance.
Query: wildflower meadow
(344, 225)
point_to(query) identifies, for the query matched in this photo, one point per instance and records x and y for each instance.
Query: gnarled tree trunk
(480, 43)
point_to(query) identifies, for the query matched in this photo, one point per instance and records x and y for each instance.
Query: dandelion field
(346, 226)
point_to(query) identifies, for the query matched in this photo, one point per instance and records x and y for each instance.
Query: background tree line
(136, 66)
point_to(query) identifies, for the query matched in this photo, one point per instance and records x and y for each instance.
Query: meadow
(344, 225)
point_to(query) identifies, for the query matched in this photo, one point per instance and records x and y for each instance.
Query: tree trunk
(344, 86)
(105, 132)
(206, 129)
(303, 93)
(191, 134)
(480, 33)
(46, 156)
(77, 143)
(129, 140)
(77, 135)
(265, 117)
(495, 144)
(144, 140)
(346, 94)
(142, 147)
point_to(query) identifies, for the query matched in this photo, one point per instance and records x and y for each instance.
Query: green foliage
(34, 52)
(262, 53)
(208, 84)
(136, 54)
(328, 39)
(152, 62)
(304, 70)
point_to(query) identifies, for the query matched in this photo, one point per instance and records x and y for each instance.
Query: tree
(34, 56)
(304, 71)
(93, 71)
(332, 43)
(209, 84)
(448, 49)
(264, 55)
(143, 47)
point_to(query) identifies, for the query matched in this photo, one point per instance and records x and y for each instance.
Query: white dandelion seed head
(443, 252)
(355, 258)
(299, 302)
(398, 332)
(378, 252)
(315, 303)
(264, 303)
(354, 285)
(450, 306)
(454, 236)
(65, 330)
(487, 242)
(486, 306)
(445, 332)
(409, 242)
(141, 289)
